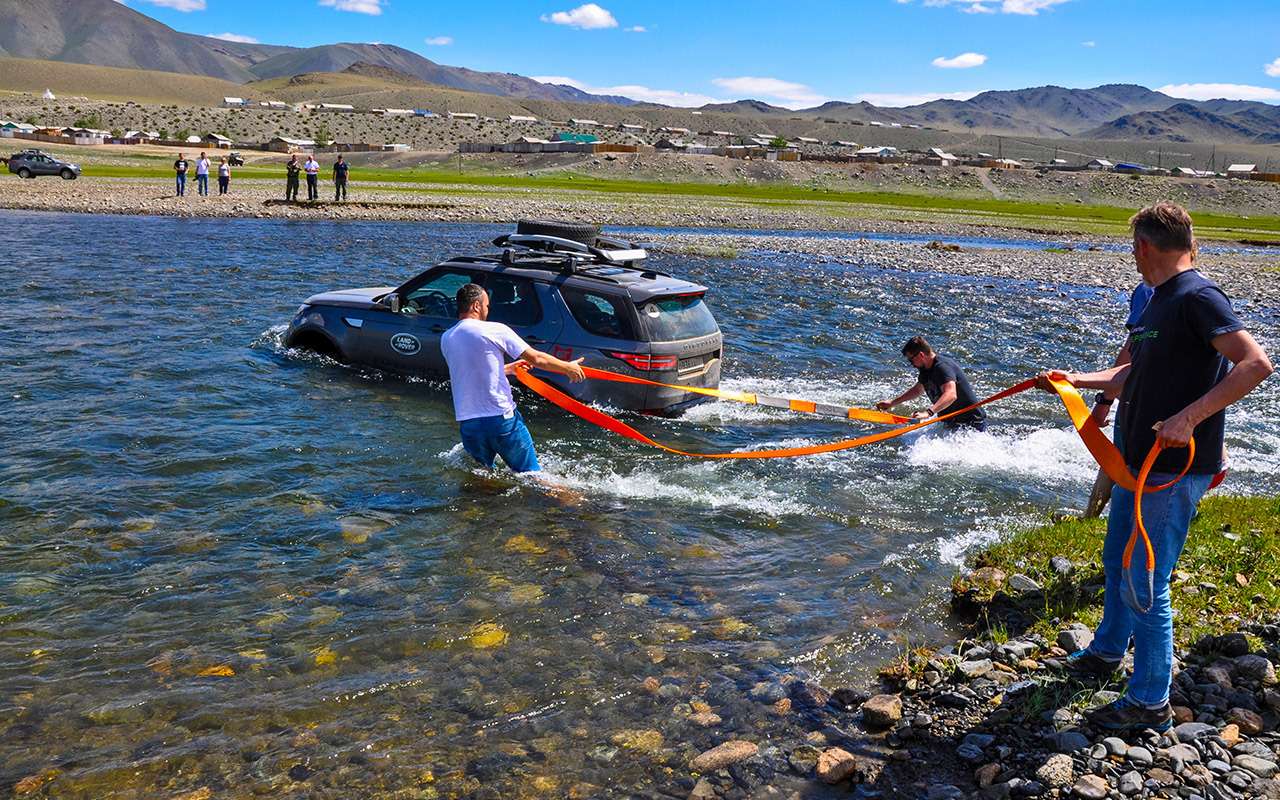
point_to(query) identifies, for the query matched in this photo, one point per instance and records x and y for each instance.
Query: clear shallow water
(224, 564)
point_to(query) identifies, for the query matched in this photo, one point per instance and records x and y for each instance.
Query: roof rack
(606, 251)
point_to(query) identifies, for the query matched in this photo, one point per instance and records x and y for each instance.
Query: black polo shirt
(1175, 364)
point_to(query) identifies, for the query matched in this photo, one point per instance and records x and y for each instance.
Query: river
(228, 565)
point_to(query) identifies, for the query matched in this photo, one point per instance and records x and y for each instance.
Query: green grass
(1234, 545)
(1107, 220)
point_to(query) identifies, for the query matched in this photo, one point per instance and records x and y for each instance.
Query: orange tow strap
(1140, 529)
(1097, 443)
(621, 428)
(785, 403)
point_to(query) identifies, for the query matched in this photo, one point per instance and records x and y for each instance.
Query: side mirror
(393, 300)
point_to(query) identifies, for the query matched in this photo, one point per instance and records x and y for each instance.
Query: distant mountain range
(107, 33)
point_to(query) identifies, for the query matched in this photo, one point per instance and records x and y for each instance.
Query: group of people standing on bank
(311, 168)
(293, 171)
(202, 166)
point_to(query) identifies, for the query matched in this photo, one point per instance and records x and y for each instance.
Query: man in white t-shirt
(476, 351)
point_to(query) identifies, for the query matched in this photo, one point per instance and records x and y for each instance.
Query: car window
(599, 314)
(668, 319)
(438, 296)
(512, 301)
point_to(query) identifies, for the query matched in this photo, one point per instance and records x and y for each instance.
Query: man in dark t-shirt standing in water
(1178, 383)
(943, 382)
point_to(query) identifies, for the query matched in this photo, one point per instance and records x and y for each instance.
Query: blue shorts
(485, 438)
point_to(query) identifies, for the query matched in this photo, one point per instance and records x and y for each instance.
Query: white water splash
(1040, 454)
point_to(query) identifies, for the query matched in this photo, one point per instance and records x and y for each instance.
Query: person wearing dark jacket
(292, 170)
(340, 169)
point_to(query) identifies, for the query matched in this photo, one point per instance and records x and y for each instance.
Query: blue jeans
(487, 437)
(182, 183)
(1167, 516)
(202, 183)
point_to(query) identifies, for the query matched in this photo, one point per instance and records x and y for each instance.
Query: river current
(224, 564)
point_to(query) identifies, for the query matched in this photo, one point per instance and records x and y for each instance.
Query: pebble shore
(1252, 276)
(987, 720)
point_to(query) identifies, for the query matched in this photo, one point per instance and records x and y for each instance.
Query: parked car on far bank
(31, 163)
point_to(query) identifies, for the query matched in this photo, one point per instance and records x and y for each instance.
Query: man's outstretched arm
(541, 360)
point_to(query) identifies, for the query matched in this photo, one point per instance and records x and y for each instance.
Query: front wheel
(68, 175)
(25, 173)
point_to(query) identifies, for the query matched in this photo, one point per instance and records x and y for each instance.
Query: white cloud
(373, 7)
(637, 29)
(962, 61)
(233, 37)
(588, 16)
(645, 94)
(1028, 8)
(1214, 91)
(789, 94)
(892, 100)
(1273, 69)
(439, 41)
(179, 5)
(1090, 43)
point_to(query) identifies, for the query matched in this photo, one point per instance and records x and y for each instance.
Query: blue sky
(798, 54)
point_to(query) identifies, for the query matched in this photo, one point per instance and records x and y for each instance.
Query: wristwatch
(1101, 399)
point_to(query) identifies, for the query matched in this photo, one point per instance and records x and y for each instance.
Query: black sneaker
(1082, 663)
(1126, 715)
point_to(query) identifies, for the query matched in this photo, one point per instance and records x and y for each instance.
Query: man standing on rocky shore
(340, 170)
(313, 177)
(1178, 383)
(180, 174)
(202, 175)
(291, 170)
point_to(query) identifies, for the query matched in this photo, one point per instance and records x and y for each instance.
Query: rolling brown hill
(114, 83)
(107, 33)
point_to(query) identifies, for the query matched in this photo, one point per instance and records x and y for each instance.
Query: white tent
(48, 95)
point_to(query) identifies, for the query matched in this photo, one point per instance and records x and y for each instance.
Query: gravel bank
(1253, 276)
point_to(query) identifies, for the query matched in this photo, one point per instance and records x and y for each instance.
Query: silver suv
(30, 163)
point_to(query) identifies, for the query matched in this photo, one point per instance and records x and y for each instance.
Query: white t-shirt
(202, 166)
(474, 351)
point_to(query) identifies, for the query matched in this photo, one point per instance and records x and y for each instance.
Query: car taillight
(645, 362)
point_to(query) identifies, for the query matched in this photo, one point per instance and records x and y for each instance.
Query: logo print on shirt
(406, 344)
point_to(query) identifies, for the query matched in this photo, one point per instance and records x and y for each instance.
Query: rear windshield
(667, 319)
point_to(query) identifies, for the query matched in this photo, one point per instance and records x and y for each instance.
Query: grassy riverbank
(1018, 214)
(1228, 575)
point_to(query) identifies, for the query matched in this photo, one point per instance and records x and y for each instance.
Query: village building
(283, 144)
(1099, 164)
(881, 154)
(336, 108)
(521, 119)
(1241, 170)
(462, 115)
(217, 140)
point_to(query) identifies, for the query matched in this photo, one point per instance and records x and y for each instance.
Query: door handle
(535, 340)
(438, 329)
